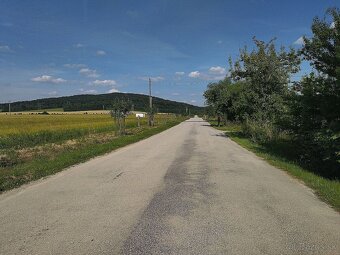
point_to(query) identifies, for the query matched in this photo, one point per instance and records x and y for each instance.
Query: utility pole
(150, 105)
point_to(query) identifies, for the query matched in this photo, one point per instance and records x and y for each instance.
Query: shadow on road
(195, 121)
(221, 135)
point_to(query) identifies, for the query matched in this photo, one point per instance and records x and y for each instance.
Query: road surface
(188, 190)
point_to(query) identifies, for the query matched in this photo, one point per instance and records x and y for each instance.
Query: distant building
(140, 115)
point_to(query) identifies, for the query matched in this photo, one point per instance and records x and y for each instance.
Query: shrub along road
(188, 190)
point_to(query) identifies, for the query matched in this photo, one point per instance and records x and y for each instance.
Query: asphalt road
(188, 190)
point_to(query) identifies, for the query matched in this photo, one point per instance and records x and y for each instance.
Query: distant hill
(97, 102)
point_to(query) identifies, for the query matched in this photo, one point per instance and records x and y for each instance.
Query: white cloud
(332, 25)
(154, 79)
(90, 91)
(52, 93)
(100, 53)
(48, 79)
(179, 73)
(194, 74)
(175, 94)
(104, 82)
(217, 70)
(299, 41)
(91, 73)
(78, 45)
(214, 73)
(113, 90)
(5, 48)
(75, 66)
(193, 101)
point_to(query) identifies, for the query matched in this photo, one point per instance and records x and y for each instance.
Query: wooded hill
(98, 102)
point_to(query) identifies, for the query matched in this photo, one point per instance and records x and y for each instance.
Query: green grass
(14, 176)
(47, 110)
(327, 190)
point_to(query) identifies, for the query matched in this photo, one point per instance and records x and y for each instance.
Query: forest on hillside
(137, 102)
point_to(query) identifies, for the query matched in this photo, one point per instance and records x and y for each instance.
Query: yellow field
(32, 123)
(16, 124)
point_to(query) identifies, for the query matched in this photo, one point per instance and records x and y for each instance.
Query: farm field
(19, 124)
(36, 145)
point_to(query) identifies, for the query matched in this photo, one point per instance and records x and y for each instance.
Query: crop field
(28, 130)
(36, 145)
(26, 124)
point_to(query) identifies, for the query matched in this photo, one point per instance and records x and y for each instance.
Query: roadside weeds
(30, 164)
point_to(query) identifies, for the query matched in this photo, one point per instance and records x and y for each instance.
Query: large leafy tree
(267, 71)
(228, 100)
(316, 107)
(215, 99)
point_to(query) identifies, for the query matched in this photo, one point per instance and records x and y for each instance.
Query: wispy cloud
(214, 73)
(89, 91)
(113, 90)
(91, 73)
(75, 66)
(217, 70)
(175, 94)
(48, 79)
(104, 82)
(179, 73)
(154, 79)
(100, 53)
(194, 74)
(5, 48)
(299, 41)
(52, 93)
(79, 45)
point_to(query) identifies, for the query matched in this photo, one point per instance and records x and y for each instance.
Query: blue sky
(63, 47)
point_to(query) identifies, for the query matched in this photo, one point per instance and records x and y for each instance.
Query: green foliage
(264, 131)
(273, 109)
(215, 98)
(323, 49)
(315, 109)
(267, 73)
(120, 109)
(227, 100)
(96, 102)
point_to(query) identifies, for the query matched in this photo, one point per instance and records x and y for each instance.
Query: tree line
(260, 93)
(98, 102)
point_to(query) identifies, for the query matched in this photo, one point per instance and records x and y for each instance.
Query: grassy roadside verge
(327, 190)
(43, 166)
